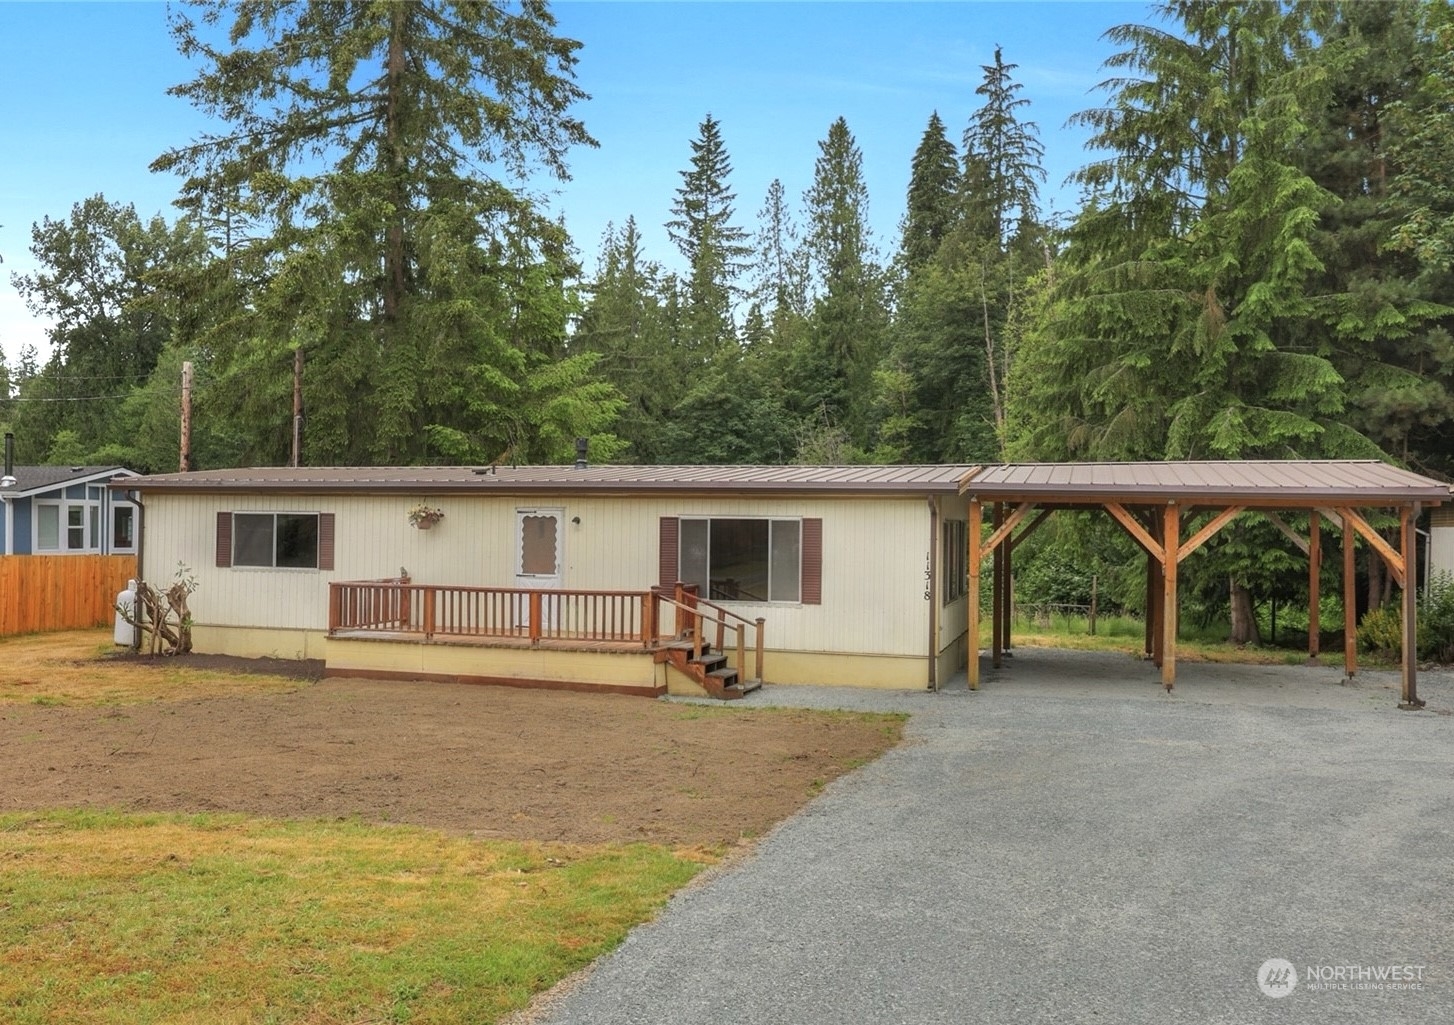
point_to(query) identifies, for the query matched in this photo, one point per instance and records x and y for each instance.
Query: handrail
(401, 605)
(450, 610)
(698, 617)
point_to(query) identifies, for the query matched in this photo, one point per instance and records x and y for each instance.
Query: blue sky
(85, 108)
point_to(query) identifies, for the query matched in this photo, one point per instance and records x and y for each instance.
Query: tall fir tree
(955, 330)
(933, 196)
(374, 153)
(1193, 259)
(1177, 330)
(780, 273)
(1003, 156)
(716, 249)
(1384, 315)
(626, 321)
(849, 314)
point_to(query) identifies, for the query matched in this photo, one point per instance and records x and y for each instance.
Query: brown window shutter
(224, 539)
(812, 562)
(325, 540)
(670, 531)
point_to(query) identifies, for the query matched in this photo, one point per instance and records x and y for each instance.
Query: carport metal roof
(1151, 501)
(1279, 484)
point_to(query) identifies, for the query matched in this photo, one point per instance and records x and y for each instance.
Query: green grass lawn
(112, 918)
(1123, 633)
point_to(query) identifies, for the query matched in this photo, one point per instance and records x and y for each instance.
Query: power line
(66, 398)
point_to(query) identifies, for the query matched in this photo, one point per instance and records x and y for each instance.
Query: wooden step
(722, 683)
(709, 663)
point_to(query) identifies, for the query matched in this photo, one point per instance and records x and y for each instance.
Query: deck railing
(398, 605)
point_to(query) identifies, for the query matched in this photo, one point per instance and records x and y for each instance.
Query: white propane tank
(125, 633)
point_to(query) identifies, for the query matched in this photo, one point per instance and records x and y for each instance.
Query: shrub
(1381, 631)
(1436, 620)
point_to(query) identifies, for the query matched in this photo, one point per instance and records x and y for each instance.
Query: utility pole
(297, 407)
(186, 460)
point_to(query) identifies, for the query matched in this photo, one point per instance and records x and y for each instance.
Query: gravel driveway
(1071, 844)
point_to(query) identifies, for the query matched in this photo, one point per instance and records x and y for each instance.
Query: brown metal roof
(545, 479)
(1285, 483)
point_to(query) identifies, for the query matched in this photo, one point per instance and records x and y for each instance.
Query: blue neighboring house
(66, 510)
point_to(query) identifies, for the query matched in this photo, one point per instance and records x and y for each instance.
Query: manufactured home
(640, 579)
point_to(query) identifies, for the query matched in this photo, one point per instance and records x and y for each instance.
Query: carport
(1170, 509)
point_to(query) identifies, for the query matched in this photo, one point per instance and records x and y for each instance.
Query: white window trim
(64, 506)
(109, 533)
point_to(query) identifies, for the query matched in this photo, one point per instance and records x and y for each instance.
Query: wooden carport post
(1408, 549)
(972, 541)
(1170, 546)
(997, 590)
(1315, 567)
(1350, 600)
(1150, 604)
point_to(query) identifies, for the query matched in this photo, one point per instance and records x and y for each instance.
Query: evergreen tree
(780, 275)
(369, 149)
(1193, 259)
(1002, 155)
(933, 195)
(1383, 314)
(716, 249)
(834, 371)
(954, 335)
(627, 323)
(1177, 328)
(1000, 222)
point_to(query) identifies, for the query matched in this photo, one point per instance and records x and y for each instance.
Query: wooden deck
(671, 626)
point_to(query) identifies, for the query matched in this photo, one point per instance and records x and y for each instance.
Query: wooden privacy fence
(60, 592)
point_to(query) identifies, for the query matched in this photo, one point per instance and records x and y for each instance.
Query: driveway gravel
(1072, 844)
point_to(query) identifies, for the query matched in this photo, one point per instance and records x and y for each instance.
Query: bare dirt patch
(481, 761)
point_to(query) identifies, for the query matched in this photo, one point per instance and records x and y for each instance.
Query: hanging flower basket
(424, 517)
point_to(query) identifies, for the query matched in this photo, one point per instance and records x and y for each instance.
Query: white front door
(538, 537)
(539, 554)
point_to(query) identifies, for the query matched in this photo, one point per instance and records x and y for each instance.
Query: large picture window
(743, 559)
(283, 540)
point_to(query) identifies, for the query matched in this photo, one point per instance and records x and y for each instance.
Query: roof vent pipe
(581, 446)
(8, 481)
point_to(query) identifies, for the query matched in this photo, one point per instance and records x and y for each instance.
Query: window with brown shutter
(224, 539)
(667, 554)
(275, 540)
(325, 540)
(747, 559)
(812, 561)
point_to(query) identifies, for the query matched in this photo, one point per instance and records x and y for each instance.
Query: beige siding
(875, 553)
(1441, 549)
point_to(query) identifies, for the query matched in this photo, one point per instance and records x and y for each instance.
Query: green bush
(1436, 620)
(1382, 630)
